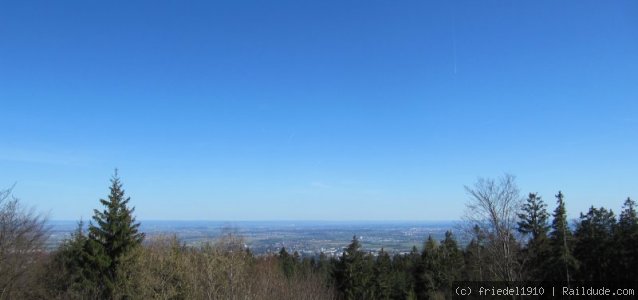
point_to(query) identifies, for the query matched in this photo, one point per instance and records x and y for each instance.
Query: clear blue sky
(324, 110)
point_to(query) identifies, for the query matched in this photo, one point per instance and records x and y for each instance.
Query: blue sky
(324, 110)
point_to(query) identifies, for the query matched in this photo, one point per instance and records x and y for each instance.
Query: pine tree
(534, 223)
(561, 264)
(113, 236)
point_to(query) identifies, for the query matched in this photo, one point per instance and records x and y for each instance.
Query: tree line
(510, 239)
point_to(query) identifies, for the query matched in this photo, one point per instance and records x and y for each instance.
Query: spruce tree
(383, 276)
(626, 237)
(403, 283)
(412, 266)
(451, 261)
(561, 264)
(71, 263)
(594, 244)
(534, 218)
(354, 272)
(628, 219)
(113, 236)
(474, 256)
(427, 274)
(534, 223)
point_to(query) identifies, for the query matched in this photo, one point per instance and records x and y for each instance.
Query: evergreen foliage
(287, 262)
(71, 262)
(594, 244)
(534, 225)
(383, 276)
(112, 238)
(560, 264)
(427, 270)
(534, 218)
(474, 256)
(626, 241)
(452, 262)
(354, 273)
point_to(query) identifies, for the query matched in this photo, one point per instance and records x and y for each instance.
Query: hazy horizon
(278, 221)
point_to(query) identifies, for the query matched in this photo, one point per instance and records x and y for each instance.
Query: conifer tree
(534, 218)
(428, 270)
(451, 261)
(383, 276)
(325, 267)
(74, 274)
(628, 219)
(412, 266)
(287, 262)
(403, 280)
(534, 223)
(626, 237)
(113, 236)
(474, 256)
(441, 264)
(354, 272)
(594, 244)
(561, 263)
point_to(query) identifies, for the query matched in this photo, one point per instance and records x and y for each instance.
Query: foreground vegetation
(511, 240)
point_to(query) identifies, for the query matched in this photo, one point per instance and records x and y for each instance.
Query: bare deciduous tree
(220, 270)
(492, 209)
(22, 237)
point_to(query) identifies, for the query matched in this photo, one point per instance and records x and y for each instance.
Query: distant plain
(308, 238)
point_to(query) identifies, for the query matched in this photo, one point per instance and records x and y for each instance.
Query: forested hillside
(512, 239)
